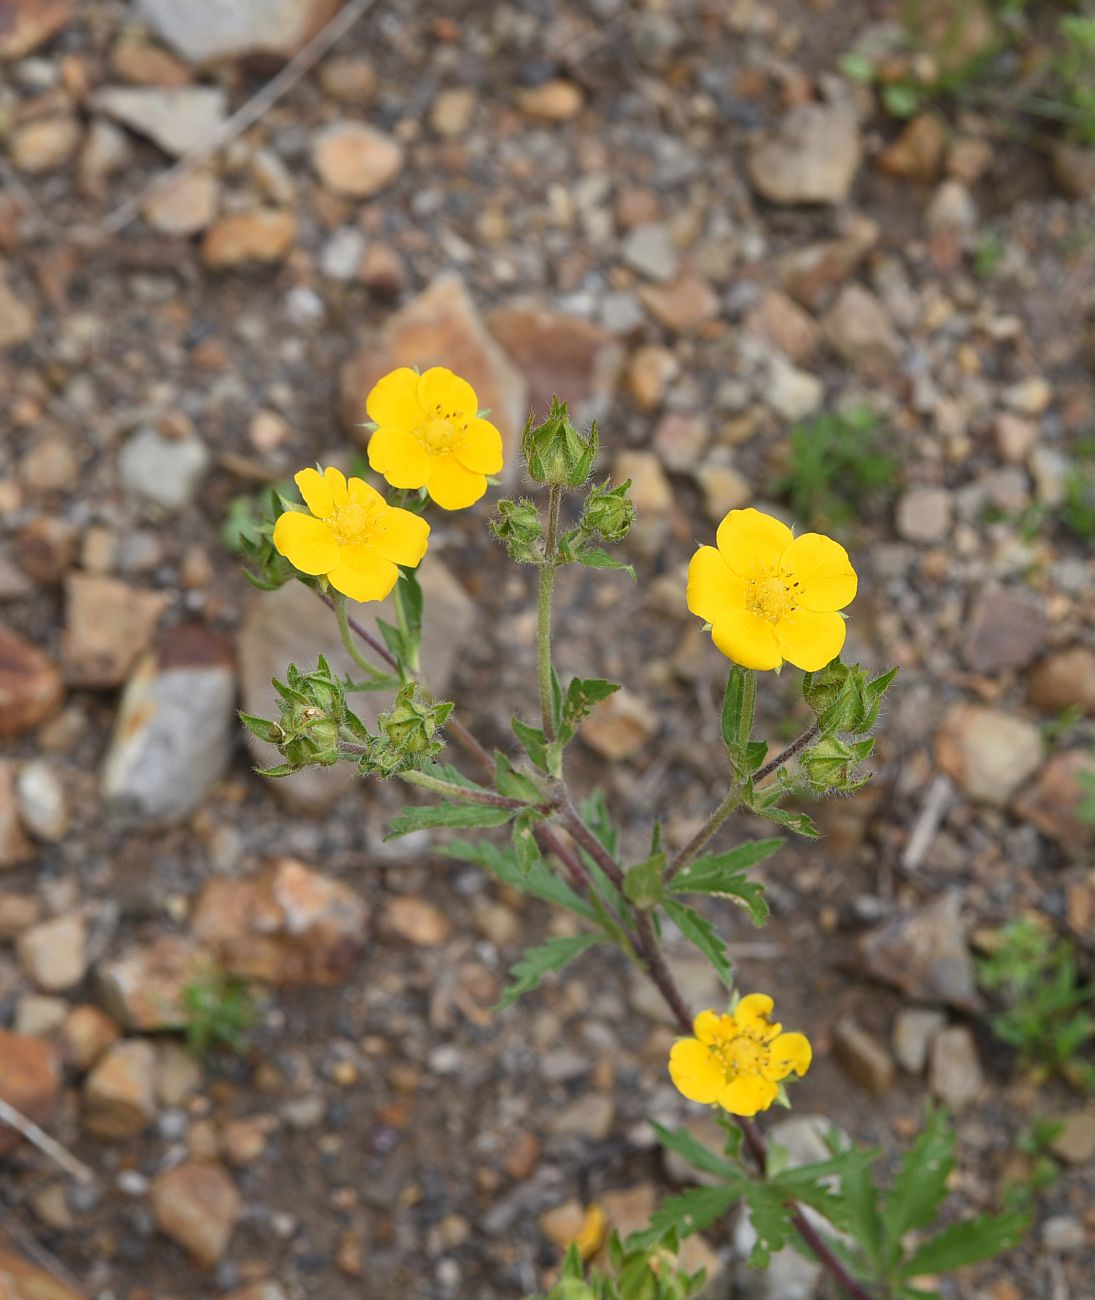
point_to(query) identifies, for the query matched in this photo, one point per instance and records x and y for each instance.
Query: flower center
(351, 523)
(436, 434)
(741, 1055)
(772, 598)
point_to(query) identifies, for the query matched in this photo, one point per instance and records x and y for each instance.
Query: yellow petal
(810, 640)
(747, 1094)
(479, 447)
(443, 394)
(706, 1026)
(362, 573)
(753, 1010)
(695, 1072)
(308, 544)
(451, 485)
(314, 492)
(713, 587)
(746, 639)
(393, 403)
(400, 535)
(823, 575)
(364, 494)
(752, 542)
(789, 1052)
(402, 460)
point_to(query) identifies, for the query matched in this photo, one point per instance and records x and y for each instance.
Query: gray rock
(649, 250)
(1007, 629)
(163, 472)
(588, 1116)
(812, 157)
(173, 736)
(863, 1057)
(859, 328)
(1063, 1234)
(956, 1077)
(989, 753)
(924, 514)
(914, 1030)
(179, 120)
(342, 254)
(924, 953)
(205, 30)
(291, 626)
(42, 805)
(792, 393)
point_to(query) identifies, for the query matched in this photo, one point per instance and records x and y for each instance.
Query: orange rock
(22, 1280)
(261, 235)
(417, 921)
(107, 625)
(197, 1205)
(30, 685)
(30, 1080)
(287, 925)
(683, 305)
(26, 24)
(356, 160)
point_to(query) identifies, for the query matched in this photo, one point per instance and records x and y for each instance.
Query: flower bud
(518, 527)
(555, 452)
(609, 511)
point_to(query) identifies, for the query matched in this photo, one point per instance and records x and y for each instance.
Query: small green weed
(219, 1013)
(1046, 1011)
(838, 467)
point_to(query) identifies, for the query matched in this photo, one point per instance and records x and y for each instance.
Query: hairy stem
(572, 820)
(338, 604)
(795, 747)
(460, 793)
(547, 584)
(699, 841)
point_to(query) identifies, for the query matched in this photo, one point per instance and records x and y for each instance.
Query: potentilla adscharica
(771, 596)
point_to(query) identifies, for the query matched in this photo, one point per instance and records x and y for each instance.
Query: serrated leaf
(541, 881)
(690, 1212)
(593, 557)
(724, 874)
(262, 728)
(860, 1195)
(596, 816)
(447, 772)
(770, 1211)
(582, 694)
(462, 815)
(735, 726)
(693, 1150)
(537, 962)
(919, 1187)
(798, 822)
(967, 1243)
(699, 931)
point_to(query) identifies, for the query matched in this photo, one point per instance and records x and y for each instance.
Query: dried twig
(48, 1146)
(33, 1249)
(247, 115)
(934, 809)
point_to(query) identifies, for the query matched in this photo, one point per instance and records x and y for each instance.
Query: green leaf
(770, 1210)
(860, 1196)
(582, 694)
(820, 1183)
(920, 1184)
(593, 557)
(644, 885)
(537, 962)
(514, 784)
(596, 816)
(454, 776)
(723, 874)
(699, 931)
(735, 726)
(525, 847)
(263, 728)
(446, 814)
(532, 741)
(968, 1243)
(691, 1149)
(690, 1212)
(541, 882)
(798, 822)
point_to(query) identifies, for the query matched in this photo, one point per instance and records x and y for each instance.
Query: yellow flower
(429, 434)
(352, 536)
(737, 1061)
(591, 1236)
(770, 595)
